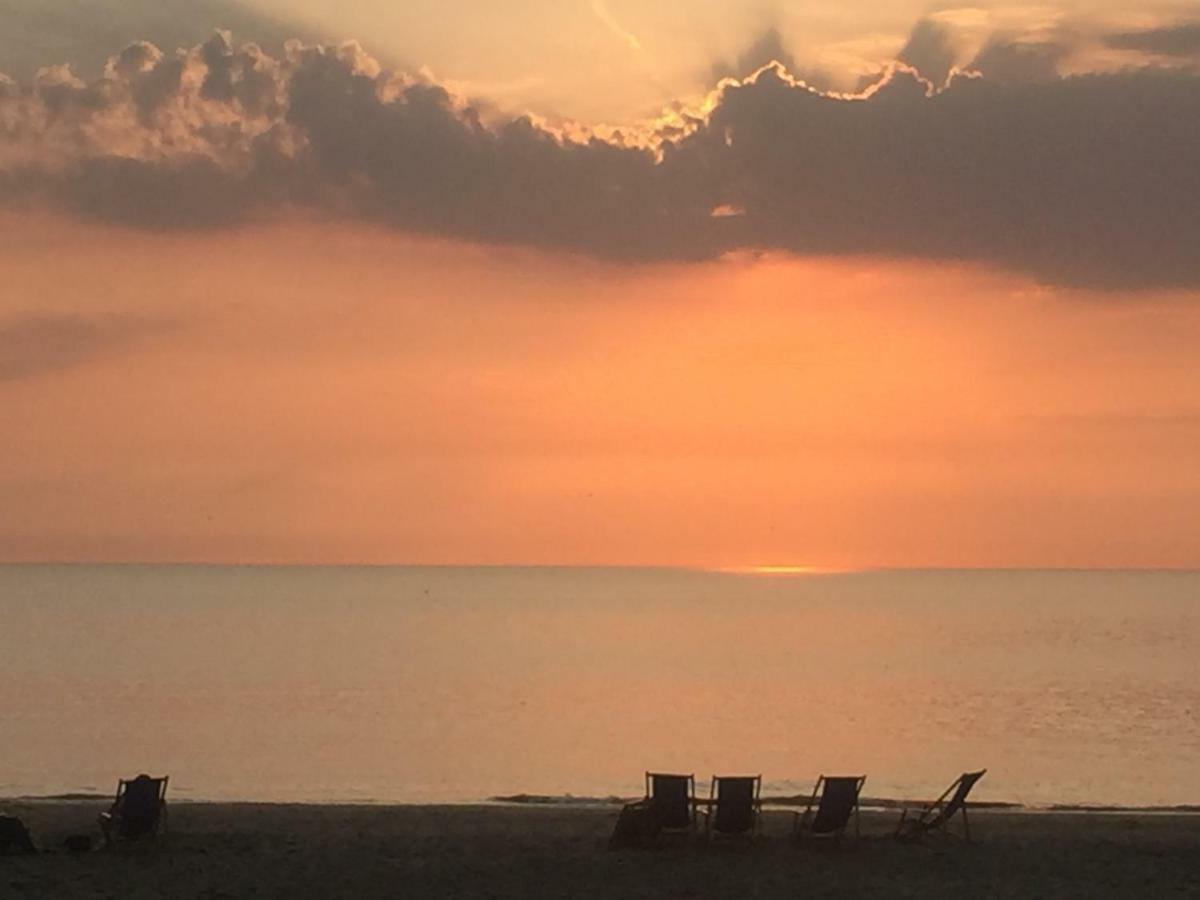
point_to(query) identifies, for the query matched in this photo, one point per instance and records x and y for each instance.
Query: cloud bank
(1087, 180)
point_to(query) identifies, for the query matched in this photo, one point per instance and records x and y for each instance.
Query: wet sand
(255, 850)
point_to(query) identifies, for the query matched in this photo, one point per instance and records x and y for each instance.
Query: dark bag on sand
(635, 827)
(14, 837)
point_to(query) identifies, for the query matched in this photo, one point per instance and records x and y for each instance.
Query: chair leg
(966, 825)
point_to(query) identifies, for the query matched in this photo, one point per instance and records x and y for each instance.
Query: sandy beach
(244, 850)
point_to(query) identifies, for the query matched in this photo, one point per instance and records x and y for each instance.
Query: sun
(778, 571)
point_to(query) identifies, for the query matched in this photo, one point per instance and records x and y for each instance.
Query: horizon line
(761, 571)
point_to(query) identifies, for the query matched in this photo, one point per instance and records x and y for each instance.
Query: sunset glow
(781, 571)
(466, 448)
(245, 319)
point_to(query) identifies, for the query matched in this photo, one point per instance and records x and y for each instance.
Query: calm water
(457, 684)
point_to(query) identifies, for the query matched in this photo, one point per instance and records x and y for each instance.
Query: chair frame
(710, 810)
(110, 821)
(936, 816)
(649, 799)
(801, 820)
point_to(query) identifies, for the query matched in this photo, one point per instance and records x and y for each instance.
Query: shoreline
(568, 802)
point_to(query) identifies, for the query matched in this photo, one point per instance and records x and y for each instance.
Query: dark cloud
(408, 153)
(189, 193)
(930, 50)
(1004, 59)
(38, 344)
(1082, 181)
(768, 48)
(1182, 40)
(1087, 181)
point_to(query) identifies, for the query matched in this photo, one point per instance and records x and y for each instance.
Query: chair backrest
(737, 803)
(936, 815)
(838, 800)
(138, 805)
(671, 799)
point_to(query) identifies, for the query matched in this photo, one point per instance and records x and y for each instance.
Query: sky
(600, 283)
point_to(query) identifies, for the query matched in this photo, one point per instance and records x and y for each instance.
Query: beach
(270, 850)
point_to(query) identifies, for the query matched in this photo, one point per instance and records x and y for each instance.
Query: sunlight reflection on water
(458, 684)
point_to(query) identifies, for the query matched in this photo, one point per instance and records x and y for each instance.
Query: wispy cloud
(767, 48)
(1134, 421)
(85, 33)
(1181, 40)
(627, 37)
(38, 344)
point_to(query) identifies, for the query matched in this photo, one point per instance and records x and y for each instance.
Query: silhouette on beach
(838, 800)
(937, 815)
(139, 810)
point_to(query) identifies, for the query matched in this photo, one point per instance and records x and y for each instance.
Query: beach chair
(836, 800)
(139, 810)
(668, 808)
(734, 807)
(672, 801)
(936, 816)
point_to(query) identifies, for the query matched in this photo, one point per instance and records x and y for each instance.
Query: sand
(254, 850)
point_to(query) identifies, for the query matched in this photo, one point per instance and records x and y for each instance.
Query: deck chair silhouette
(139, 810)
(836, 800)
(672, 801)
(734, 806)
(669, 807)
(937, 815)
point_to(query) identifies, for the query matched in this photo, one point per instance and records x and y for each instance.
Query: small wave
(560, 800)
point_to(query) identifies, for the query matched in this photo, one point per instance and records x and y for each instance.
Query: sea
(456, 685)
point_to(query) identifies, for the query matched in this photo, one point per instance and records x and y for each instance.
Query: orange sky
(331, 392)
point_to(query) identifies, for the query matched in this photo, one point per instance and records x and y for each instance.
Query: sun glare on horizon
(781, 571)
